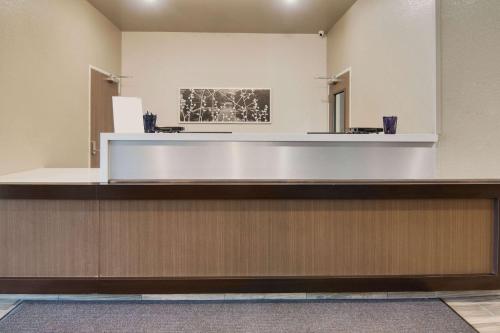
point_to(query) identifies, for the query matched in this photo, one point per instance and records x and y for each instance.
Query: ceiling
(248, 16)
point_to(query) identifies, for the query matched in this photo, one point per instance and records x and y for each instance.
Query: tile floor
(480, 308)
(482, 312)
(6, 305)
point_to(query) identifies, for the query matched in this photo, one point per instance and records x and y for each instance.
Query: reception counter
(80, 236)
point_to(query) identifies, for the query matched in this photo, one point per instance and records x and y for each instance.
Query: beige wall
(470, 65)
(161, 63)
(45, 53)
(390, 45)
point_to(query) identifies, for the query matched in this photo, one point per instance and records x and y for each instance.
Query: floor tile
(491, 302)
(3, 313)
(6, 310)
(468, 307)
(417, 295)
(482, 319)
(473, 293)
(231, 297)
(477, 314)
(99, 297)
(291, 296)
(347, 295)
(482, 312)
(184, 297)
(29, 297)
(488, 328)
(6, 304)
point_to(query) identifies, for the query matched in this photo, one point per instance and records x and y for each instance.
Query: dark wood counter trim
(48, 191)
(247, 285)
(252, 190)
(297, 191)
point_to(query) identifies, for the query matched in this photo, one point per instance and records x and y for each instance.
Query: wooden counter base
(280, 245)
(229, 238)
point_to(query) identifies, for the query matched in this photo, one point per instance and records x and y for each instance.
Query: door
(340, 104)
(101, 110)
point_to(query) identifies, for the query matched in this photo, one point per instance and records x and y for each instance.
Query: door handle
(93, 148)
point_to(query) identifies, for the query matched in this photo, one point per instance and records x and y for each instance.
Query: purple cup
(390, 125)
(149, 122)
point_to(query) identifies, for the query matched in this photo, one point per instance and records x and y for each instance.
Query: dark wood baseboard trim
(245, 285)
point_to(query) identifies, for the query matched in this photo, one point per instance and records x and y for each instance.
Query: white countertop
(61, 176)
(278, 137)
(52, 176)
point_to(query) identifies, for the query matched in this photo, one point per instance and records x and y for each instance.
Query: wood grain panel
(246, 238)
(41, 238)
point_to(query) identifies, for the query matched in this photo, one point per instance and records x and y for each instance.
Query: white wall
(163, 62)
(391, 47)
(470, 67)
(46, 47)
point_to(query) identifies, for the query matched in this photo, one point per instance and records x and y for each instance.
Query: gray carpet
(235, 317)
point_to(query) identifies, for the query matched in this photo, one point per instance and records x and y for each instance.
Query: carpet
(235, 317)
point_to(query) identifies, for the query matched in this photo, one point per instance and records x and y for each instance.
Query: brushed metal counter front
(164, 157)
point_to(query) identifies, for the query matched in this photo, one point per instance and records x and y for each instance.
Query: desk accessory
(149, 120)
(390, 125)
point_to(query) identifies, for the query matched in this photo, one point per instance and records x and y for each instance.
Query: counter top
(278, 137)
(90, 176)
(53, 176)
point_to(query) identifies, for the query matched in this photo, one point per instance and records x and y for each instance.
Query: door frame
(89, 120)
(347, 119)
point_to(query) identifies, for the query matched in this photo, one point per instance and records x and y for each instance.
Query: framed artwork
(225, 106)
